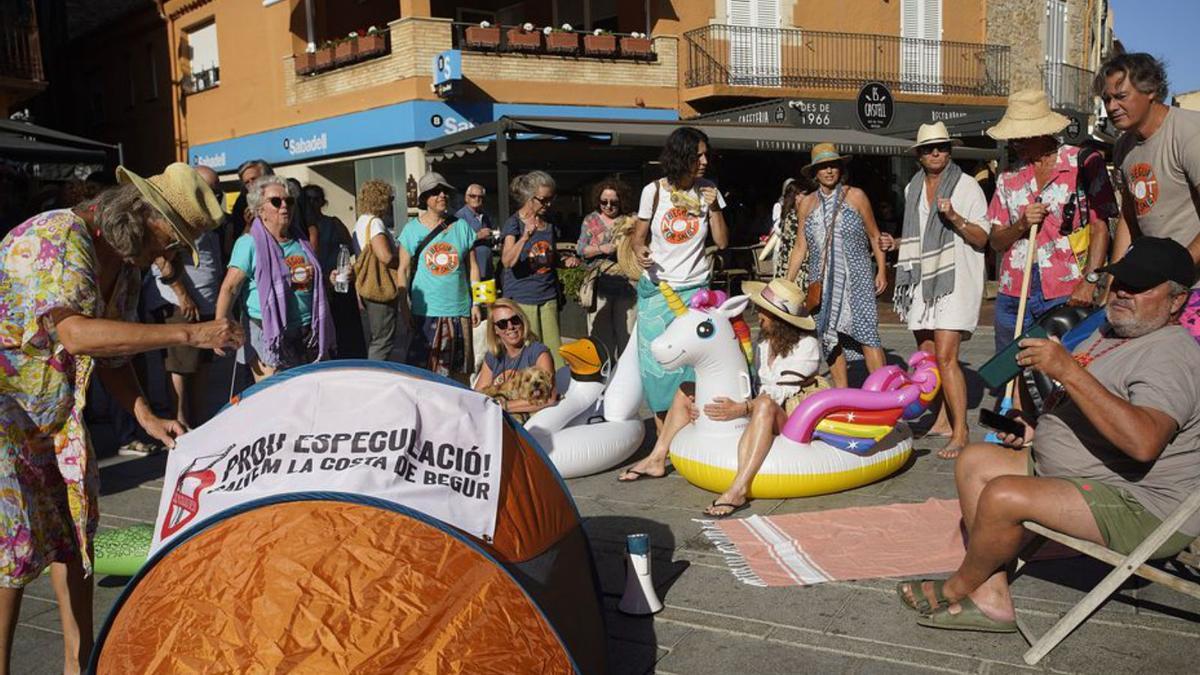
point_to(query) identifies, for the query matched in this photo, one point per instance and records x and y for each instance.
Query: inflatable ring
(581, 434)
(835, 440)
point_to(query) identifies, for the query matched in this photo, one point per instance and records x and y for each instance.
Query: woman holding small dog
(513, 348)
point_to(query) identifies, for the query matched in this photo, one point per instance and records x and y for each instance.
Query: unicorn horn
(673, 299)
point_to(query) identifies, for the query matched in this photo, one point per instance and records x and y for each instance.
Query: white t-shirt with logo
(677, 238)
(365, 228)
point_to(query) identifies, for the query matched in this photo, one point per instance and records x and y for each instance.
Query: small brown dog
(529, 384)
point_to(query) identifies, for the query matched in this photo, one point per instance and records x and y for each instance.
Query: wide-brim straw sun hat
(182, 196)
(783, 299)
(1028, 116)
(933, 134)
(822, 153)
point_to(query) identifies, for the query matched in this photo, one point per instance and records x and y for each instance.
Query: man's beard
(1132, 327)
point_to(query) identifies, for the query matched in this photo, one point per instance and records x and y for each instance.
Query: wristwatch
(1092, 277)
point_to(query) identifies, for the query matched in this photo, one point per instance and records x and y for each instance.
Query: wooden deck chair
(1123, 568)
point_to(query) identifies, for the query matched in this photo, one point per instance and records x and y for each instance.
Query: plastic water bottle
(341, 283)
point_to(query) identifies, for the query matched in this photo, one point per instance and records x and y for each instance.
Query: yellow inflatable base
(783, 486)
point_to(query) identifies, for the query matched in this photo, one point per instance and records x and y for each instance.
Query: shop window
(920, 45)
(205, 63)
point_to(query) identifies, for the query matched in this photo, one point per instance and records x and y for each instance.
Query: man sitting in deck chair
(1115, 452)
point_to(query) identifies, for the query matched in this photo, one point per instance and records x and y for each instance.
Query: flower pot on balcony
(524, 41)
(345, 51)
(372, 45)
(636, 47)
(600, 45)
(562, 42)
(478, 37)
(306, 63)
(323, 59)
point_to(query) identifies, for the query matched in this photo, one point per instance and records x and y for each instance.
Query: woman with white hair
(290, 321)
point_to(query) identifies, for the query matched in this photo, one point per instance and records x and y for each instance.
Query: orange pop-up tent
(339, 582)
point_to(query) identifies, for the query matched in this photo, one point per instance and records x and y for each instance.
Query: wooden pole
(1029, 254)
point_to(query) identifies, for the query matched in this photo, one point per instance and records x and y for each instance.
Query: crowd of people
(1116, 449)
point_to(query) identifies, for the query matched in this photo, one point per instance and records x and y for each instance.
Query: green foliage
(571, 279)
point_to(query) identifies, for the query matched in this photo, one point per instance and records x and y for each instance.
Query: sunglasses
(175, 246)
(278, 202)
(610, 202)
(943, 148)
(545, 201)
(471, 196)
(514, 321)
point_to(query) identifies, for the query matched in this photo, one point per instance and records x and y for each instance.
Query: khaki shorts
(182, 359)
(1123, 521)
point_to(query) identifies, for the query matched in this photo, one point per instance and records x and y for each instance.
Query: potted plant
(561, 41)
(306, 62)
(636, 45)
(346, 49)
(524, 38)
(483, 36)
(600, 43)
(324, 56)
(373, 43)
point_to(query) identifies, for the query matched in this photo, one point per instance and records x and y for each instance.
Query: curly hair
(624, 194)
(122, 215)
(375, 198)
(680, 153)
(1146, 73)
(526, 186)
(494, 344)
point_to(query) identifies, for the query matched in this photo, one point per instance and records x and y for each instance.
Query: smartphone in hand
(1002, 423)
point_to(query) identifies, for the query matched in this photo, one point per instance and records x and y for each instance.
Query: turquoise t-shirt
(442, 285)
(299, 301)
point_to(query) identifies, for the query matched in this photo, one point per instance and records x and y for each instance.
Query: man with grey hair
(1159, 160)
(1116, 451)
(479, 220)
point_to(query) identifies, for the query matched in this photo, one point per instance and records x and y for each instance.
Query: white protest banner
(363, 430)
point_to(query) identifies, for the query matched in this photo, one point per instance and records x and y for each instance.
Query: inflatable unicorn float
(835, 440)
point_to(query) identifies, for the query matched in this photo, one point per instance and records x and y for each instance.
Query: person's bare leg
(179, 388)
(74, 594)
(979, 464)
(260, 370)
(875, 358)
(766, 419)
(954, 391)
(678, 416)
(10, 610)
(997, 535)
(837, 368)
(941, 422)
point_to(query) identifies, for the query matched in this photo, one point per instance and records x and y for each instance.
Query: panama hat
(180, 194)
(431, 181)
(783, 299)
(1028, 115)
(823, 153)
(933, 134)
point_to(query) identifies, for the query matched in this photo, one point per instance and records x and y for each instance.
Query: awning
(32, 143)
(723, 136)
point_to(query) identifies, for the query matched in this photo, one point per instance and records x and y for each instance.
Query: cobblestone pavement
(715, 624)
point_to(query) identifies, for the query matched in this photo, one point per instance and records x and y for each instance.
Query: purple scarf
(271, 275)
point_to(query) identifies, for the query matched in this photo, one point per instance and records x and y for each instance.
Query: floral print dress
(49, 483)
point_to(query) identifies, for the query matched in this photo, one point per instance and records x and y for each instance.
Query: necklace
(1091, 355)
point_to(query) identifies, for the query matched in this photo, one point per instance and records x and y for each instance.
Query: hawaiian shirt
(594, 232)
(1016, 189)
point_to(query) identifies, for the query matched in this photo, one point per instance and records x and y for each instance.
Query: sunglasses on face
(503, 324)
(545, 201)
(471, 196)
(943, 148)
(278, 202)
(176, 246)
(610, 202)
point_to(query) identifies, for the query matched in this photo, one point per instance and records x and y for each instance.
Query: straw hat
(933, 134)
(783, 299)
(823, 153)
(1028, 115)
(184, 199)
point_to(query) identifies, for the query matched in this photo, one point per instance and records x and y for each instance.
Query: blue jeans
(1035, 306)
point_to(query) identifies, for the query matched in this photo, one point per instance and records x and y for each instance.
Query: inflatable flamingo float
(835, 440)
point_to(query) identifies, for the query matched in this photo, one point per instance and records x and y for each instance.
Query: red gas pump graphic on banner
(185, 499)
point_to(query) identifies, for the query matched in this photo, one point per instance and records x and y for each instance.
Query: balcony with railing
(20, 55)
(729, 58)
(1068, 86)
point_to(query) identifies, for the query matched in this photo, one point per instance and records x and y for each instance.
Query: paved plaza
(715, 624)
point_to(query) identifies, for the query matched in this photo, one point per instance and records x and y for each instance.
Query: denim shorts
(1035, 306)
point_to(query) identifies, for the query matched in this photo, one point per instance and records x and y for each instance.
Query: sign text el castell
(876, 107)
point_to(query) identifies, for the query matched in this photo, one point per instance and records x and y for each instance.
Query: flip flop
(721, 516)
(920, 601)
(638, 475)
(969, 617)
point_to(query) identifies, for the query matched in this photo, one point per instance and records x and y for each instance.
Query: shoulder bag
(372, 279)
(814, 289)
